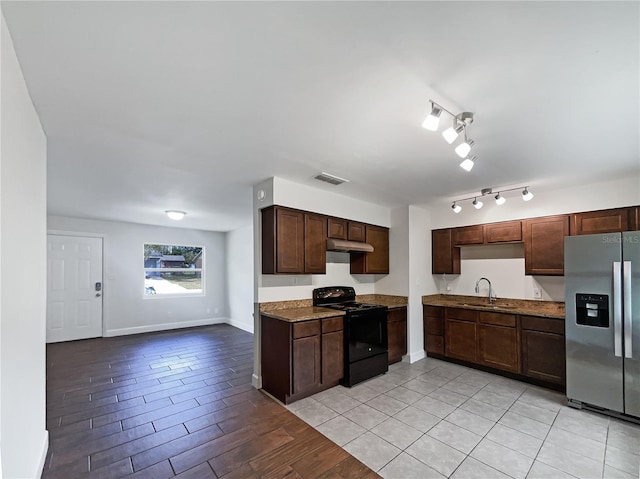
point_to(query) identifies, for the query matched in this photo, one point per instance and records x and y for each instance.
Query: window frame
(200, 294)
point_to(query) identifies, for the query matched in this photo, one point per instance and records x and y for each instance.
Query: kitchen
(535, 125)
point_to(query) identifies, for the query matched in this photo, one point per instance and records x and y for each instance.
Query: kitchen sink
(486, 305)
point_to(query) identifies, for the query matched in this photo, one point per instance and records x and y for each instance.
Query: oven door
(366, 333)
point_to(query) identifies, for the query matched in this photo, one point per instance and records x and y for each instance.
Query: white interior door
(74, 288)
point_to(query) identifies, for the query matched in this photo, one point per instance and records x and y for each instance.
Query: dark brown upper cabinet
(282, 240)
(544, 244)
(378, 261)
(356, 231)
(315, 244)
(503, 232)
(603, 221)
(468, 235)
(337, 228)
(445, 258)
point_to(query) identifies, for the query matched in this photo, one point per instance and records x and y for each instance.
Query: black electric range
(365, 333)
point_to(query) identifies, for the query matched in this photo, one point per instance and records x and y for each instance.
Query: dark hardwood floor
(176, 404)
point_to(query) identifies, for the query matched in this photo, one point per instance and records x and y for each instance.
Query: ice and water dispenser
(592, 310)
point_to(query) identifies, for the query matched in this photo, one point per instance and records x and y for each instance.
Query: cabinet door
(306, 363)
(397, 333)
(604, 221)
(433, 326)
(460, 340)
(337, 228)
(282, 241)
(498, 347)
(544, 244)
(468, 235)
(315, 244)
(332, 356)
(378, 261)
(445, 259)
(504, 232)
(543, 356)
(356, 232)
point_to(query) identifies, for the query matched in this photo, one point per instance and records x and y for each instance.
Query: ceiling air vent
(334, 180)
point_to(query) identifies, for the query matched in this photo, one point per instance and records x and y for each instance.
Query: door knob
(98, 295)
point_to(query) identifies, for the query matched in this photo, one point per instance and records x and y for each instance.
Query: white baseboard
(43, 455)
(414, 356)
(256, 381)
(165, 326)
(248, 327)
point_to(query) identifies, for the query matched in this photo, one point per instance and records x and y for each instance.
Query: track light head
(500, 200)
(469, 163)
(456, 208)
(477, 204)
(451, 133)
(433, 119)
(526, 194)
(463, 149)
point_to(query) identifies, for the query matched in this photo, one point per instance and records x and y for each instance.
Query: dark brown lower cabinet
(306, 363)
(543, 349)
(301, 358)
(523, 346)
(461, 334)
(397, 333)
(433, 327)
(498, 341)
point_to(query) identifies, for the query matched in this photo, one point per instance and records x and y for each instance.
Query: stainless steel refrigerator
(602, 298)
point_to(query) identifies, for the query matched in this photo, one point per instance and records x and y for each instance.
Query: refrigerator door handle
(617, 310)
(626, 284)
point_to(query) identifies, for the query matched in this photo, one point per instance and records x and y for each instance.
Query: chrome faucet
(492, 297)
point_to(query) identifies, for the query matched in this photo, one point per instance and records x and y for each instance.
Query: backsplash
(503, 265)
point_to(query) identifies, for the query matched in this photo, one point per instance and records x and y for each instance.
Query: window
(173, 270)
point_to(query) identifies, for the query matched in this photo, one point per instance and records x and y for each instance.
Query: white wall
(239, 246)
(126, 310)
(23, 272)
(504, 264)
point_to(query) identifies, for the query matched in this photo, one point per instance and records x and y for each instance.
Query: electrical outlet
(448, 288)
(537, 294)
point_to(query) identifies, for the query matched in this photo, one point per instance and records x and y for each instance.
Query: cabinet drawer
(498, 319)
(306, 328)
(545, 325)
(468, 235)
(462, 314)
(330, 325)
(433, 311)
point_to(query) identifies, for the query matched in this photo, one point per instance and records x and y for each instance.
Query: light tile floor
(434, 419)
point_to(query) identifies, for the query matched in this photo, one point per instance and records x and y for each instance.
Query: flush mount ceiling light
(469, 163)
(175, 214)
(500, 200)
(460, 123)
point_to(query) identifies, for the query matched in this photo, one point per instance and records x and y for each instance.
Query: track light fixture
(459, 125)
(500, 200)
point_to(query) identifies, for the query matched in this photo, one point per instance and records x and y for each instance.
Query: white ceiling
(149, 106)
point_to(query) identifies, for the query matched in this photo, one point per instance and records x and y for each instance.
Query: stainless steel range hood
(348, 246)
